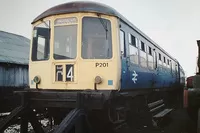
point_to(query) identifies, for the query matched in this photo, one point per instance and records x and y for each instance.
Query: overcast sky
(173, 24)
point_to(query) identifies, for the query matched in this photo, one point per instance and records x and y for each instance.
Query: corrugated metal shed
(14, 58)
(14, 48)
(12, 75)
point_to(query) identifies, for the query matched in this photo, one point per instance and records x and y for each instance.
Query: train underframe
(94, 111)
(7, 98)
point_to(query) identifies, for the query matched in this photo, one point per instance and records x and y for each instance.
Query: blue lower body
(137, 77)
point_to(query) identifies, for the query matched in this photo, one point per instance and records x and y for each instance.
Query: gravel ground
(16, 128)
(181, 123)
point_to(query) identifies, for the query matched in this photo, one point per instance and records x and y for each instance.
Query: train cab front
(75, 52)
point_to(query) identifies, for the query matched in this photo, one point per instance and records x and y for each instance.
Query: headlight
(98, 79)
(37, 79)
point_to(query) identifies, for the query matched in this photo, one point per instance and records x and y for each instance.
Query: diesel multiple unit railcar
(90, 48)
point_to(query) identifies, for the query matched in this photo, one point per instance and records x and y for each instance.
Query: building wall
(13, 75)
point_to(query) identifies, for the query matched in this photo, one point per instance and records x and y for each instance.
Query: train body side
(142, 69)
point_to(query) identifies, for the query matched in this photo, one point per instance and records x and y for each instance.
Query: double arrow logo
(134, 79)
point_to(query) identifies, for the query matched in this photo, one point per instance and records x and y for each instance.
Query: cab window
(96, 38)
(65, 38)
(41, 42)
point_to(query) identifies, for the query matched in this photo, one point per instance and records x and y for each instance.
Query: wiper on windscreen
(48, 26)
(103, 24)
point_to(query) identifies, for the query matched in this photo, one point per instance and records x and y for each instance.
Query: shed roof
(14, 48)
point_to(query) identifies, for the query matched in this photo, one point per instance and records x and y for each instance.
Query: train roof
(88, 6)
(78, 6)
(14, 48)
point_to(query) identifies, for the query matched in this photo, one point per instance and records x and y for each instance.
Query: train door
(155, 66)
(124, 63)
(155, 60)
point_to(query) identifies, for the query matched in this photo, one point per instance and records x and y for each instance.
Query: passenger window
(150, 58)
(122, 41)
(168, 63)
(143, 55)
(155, 59)
(150, 51)
(133, 50)
(176, 66)
(164, 61)
(142, 46)
(159, 56)
(171, 65)
(132, 40)
(160, 59)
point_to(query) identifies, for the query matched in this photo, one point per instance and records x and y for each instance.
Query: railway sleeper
(159, 113)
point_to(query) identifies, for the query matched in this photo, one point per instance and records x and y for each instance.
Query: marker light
(98, 79)
(37, 79)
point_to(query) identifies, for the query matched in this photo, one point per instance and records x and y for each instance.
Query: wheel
(198, 121)
(139, 115)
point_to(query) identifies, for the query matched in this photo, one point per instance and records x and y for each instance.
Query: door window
(122, 42)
